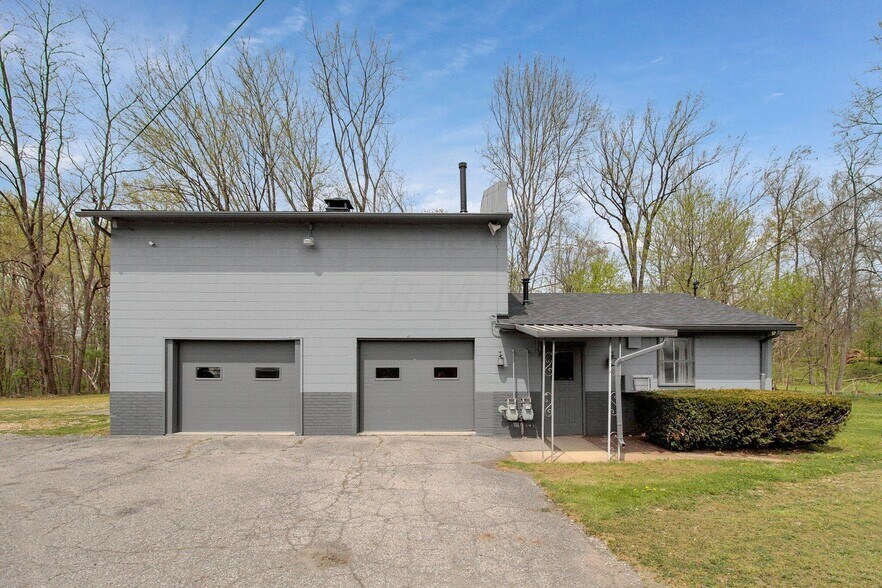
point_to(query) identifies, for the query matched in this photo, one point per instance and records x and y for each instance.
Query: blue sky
(772, 71)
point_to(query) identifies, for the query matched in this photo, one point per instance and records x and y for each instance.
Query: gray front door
(568, 395)
(417, 385)
(239, 386)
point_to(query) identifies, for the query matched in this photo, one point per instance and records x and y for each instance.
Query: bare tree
(863, 115)
(856, 188)
(305, 167)
(706, 237)
(542, 117)
(35, 108)
(786, 183)
(238, 137)
(637, 165)
(354, 81)
(99, 170)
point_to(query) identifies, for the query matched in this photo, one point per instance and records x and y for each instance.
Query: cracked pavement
(277, 510)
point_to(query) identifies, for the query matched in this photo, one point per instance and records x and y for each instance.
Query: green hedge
(684, 420)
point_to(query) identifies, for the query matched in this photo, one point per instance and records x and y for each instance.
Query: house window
(208, 373)
(676, 362)
(387, 373)
(564, 368)
(446, 373)
(266, 373)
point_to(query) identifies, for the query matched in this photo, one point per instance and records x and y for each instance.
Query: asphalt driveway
(270, 510)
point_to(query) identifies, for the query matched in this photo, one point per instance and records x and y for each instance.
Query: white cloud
(290, 25)
(773, 96)
(462, 56)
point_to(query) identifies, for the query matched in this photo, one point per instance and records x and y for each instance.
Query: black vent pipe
(526, 296)
(463, 201)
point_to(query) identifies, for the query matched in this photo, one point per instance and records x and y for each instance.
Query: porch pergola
(549, 334)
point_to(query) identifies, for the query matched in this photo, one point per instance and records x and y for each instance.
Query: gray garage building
(342, 322)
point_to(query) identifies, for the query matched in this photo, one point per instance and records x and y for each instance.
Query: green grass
(811, 520)
(56, 415)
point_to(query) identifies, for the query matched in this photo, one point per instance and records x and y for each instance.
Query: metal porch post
(609, 403)
(542, 391)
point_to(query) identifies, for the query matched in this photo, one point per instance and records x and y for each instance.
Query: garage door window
(387, 373)
(208, 373)
(446, 373)
(266, 373)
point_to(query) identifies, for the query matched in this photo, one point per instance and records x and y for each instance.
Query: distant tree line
(649, 201)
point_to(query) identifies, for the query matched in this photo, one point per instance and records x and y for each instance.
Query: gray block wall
(258, 281)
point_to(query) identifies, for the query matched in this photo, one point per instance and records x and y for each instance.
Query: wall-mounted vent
(338, 205)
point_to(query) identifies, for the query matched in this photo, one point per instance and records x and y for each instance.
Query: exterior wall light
(309, 240)
(500, 361)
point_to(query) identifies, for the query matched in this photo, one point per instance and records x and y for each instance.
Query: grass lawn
(56, 415)
(813, 520)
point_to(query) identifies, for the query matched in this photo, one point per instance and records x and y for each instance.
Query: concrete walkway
(578, 449)
(285, 511)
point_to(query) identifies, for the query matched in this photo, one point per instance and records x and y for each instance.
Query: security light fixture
(500, 361)
(309, 240)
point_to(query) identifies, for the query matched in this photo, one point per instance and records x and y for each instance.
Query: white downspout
(618, 363)
(764, 342)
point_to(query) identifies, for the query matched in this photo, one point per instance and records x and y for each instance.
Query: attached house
(340, 322)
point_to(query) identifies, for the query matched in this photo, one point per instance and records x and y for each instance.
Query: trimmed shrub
(684, 420)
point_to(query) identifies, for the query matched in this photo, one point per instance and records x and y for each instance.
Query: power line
(828, 212)
(190, 79)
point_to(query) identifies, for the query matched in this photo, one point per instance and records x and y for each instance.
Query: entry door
(239, 386)
(568, 395)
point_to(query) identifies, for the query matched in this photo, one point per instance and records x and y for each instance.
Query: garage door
(239, 386)
(417, 385)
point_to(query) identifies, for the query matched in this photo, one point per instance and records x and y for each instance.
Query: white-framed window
(676, 362)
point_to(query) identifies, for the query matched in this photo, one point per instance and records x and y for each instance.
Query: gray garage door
(417, 386)
(241, 386)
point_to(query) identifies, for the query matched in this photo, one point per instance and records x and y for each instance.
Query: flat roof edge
(175, 216)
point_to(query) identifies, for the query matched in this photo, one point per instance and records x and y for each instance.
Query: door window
(564, 366)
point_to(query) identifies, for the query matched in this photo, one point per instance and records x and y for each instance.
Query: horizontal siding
(260, 282)
(727, 361)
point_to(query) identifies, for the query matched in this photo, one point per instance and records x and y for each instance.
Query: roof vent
(338, 205)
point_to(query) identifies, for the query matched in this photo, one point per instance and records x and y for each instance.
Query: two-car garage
(255, 386)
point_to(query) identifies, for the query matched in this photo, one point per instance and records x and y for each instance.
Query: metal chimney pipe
(526, 284)
(463, 200)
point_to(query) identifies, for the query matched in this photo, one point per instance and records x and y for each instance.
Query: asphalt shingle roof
(677, 311)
